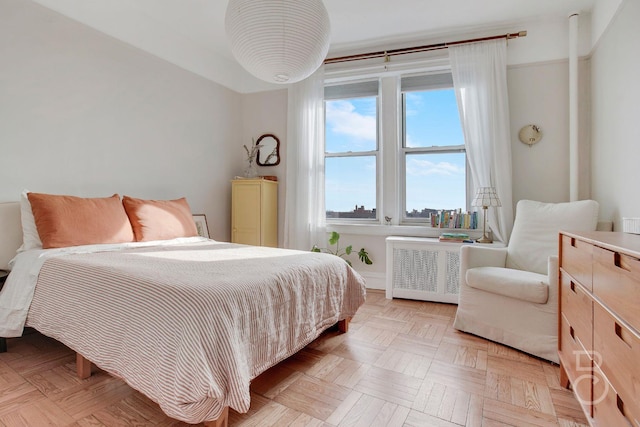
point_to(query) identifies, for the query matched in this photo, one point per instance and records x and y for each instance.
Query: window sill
(398, 230)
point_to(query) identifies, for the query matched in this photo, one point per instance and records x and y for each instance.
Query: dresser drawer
(616, 282)
(617, 353)
(576, 362)
(609, 409)
(576, 305)
(575, 259)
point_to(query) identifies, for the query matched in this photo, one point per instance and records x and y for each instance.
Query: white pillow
(30, 236)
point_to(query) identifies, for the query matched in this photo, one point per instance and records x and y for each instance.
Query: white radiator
(423, 269)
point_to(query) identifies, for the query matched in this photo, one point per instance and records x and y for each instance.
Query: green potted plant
(334, 240)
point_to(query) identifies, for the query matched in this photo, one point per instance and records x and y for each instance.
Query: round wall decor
(530, 134)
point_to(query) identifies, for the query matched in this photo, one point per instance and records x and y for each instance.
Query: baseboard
(375, 280)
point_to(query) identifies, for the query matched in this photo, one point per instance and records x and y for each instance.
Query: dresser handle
(620, 405)
(617, 260)
(572, 333)
(573, 286)
(573, 242)
(620, 332)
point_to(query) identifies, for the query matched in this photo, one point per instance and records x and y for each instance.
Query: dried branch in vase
(250, 171)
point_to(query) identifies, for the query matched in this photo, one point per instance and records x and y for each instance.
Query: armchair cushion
(535, 232)
(518, 284)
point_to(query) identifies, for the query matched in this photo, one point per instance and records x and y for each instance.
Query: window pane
(351, 125)
(434, 182)
(432, 119)
(350, 187)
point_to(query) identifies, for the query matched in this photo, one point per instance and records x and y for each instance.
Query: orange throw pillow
(159, 219)
(71, 221)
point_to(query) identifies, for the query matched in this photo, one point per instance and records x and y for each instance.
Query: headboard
(10, 232)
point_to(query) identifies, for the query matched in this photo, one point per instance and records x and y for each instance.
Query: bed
(189, 322)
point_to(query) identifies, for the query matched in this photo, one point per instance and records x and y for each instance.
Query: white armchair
(510, 295)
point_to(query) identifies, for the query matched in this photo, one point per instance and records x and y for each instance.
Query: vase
(251, 171)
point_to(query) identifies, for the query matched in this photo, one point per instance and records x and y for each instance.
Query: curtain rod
(416, 49)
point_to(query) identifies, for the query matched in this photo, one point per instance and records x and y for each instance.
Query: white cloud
(417, 167)
(343, 119)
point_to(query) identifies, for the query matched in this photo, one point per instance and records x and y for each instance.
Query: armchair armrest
(472, 256)
(554, 275)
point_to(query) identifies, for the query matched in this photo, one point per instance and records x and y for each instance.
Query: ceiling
(174, 29)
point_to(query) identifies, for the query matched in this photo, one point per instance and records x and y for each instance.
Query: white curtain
(304, 216)
(480, 81)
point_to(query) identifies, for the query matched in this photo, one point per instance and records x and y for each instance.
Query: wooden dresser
(599, 324)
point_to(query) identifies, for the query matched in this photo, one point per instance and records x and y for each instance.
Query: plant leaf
(348, 249)
(334, 238)
(364, 256)
(315, 249)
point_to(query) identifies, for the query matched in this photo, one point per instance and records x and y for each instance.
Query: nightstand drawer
(576, 259)
(618, 356)
(616, 281)
(577, 362)
(577, 307)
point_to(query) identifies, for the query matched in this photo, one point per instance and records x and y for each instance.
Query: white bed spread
(191, 324)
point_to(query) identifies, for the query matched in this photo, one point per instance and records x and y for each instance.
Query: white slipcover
(521, 317)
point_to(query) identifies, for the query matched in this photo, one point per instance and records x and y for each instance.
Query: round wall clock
(530, 134)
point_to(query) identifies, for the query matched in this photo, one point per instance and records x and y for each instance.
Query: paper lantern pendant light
(279, 41)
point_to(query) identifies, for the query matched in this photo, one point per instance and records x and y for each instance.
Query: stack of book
(454, 237)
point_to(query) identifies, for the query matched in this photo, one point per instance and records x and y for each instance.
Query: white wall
(539, 94)
(615, 67)
(84, 114)
(266, 112)
(601, 16)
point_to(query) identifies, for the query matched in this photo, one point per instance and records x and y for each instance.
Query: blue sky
(433, 181)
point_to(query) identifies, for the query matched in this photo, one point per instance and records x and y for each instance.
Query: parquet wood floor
(400, 364)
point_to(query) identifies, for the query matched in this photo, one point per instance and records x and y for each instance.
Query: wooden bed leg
(83, 367)
(222, 421)
(343, 325)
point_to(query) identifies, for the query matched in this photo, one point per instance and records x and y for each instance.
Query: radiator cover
(423, 268)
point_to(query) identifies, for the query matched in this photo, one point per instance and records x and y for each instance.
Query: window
(433, 154)
(351, 151)
(394, 146)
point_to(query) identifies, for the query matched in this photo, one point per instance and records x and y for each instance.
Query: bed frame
(83, 369)
(10, 241)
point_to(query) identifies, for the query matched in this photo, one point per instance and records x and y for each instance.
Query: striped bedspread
(191, 325)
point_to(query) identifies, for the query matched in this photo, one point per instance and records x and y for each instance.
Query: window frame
(375, 153)
(421, 83)
(391, 155)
